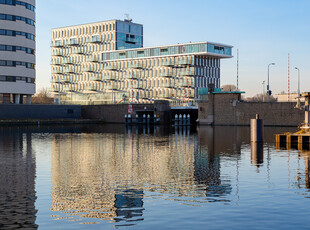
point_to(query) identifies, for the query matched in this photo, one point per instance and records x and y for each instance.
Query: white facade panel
(18, 56)
(17, 53)
(17, 41)
(18, 71)
(20, 86)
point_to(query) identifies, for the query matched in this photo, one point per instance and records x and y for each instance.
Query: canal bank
(217, 109)
(227, 109)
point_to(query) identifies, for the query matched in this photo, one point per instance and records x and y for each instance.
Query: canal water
(110, 177)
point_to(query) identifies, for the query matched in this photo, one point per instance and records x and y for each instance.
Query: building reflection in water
(108, 175)
(17, 180)
(215, 143)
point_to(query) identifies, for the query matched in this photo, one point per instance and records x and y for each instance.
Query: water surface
(110, 177)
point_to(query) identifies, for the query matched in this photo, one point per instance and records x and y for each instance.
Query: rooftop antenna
(237, 69)
(128, 19)
(288, 80)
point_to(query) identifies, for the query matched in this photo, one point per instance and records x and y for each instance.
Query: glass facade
(218, 49)
(169, 50)
(128, 35)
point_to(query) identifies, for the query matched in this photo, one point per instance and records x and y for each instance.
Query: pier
(301, 139)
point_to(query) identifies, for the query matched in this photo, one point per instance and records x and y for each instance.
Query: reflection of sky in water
(108, 177)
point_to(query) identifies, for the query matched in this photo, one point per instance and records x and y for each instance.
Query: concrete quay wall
(116, 113)
(22, 112)
(228, 109)
(111, 113)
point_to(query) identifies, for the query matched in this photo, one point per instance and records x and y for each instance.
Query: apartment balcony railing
(57, 44)
(93, 59)
(168, 85)
(137, 86)
(164, 95)
(57, 71)
(187, 73)
(131, 76)
(168, 64)
(65, 80)
(56, 88)
(97, 78)
(186, 84)
(69, 88)
(55, 80)
(185, 62)
(111, 87)
(95, 39)
(69, 70)
(91, 88)
(68, 61)
(59, 53)
(80, 50)
(166, 74)
(136, 66)
(88, 69)
(56, 62)
(110, 67)
(110, 77)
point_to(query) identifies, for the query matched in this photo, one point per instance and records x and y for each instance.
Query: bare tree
(229, 88)
(43, 97)
(260, 98)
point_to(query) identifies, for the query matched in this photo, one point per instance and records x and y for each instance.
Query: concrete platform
(300, 141)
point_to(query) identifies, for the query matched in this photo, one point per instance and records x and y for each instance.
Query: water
(109, 177)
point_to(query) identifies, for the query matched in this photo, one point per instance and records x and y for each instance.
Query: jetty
(301, 139)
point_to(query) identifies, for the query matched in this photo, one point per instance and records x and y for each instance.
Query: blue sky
(263, 31)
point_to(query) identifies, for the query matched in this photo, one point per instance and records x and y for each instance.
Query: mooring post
(148, 118)
(257, 129)
(176, 120)
(144, 118)
(137, 118)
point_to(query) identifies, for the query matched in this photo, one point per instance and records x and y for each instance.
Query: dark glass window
(14, 33)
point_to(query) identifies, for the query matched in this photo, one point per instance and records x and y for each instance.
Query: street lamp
(263, 91)
(298, 89)
(269, 91)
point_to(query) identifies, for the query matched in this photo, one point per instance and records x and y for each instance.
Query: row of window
(10, 17)
(14, 3)
(17, 63)
(14, 48)
(156, 51)
(154, 92)
(81, 50)
(83, 30)
(14, 33)
(15, 78)
(104, 38)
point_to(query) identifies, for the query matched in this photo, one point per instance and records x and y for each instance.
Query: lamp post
(298, 88)
(268, 91)
(263, 91)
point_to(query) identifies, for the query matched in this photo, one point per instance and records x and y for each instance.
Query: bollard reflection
(257, 154)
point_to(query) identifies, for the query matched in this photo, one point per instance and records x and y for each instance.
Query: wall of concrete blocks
(20, 112)
(228, 109)
(116, 113)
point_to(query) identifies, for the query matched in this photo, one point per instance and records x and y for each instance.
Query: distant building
(103, 63)
(293, 97)
(17, 49)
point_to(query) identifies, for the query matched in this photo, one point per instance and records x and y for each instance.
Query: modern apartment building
(104, 63)
(17, 51)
